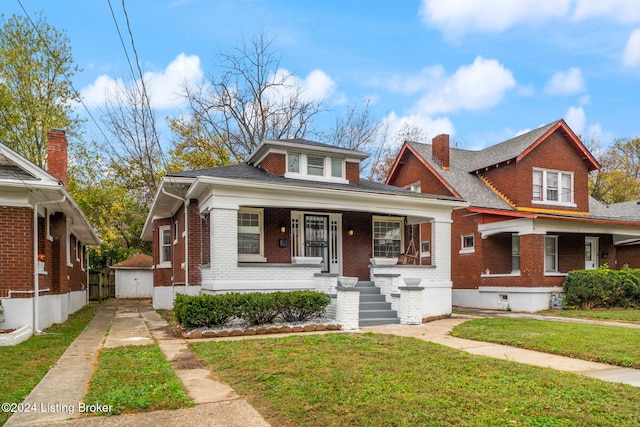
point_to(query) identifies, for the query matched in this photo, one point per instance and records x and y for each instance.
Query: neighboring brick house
(297, 215)
(43, 240)
(530, 221)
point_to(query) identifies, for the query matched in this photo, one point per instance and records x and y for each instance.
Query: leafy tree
(193, 149)
(36, 67)
(619, 178)
(252, 100)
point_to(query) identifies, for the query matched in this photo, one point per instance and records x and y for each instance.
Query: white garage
(134, 277)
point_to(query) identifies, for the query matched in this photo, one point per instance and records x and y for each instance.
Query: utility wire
(75, 91)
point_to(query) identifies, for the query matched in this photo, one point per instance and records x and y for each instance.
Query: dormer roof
(306, 146)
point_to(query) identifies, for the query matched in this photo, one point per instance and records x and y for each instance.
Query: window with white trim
(551, 254)
(250, 235)
(515, 253)
(425, 248)
(554, 187)
(387, 237)
(165, 242)
(467, 244)
(315, 167)
(416, 187)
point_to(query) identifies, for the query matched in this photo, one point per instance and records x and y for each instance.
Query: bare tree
(253, 99)
(134, 151)
(356, 129)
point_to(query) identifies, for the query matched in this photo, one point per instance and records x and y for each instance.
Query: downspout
(186, 234)
(36, 279)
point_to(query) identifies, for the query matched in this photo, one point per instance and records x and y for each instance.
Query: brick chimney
(440, 150)
(57, 154)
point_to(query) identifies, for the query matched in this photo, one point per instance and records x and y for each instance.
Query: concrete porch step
(372, 298)
(375, 305)
(376, 322)
(378, 314)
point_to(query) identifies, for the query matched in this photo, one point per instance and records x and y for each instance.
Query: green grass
(620, 315)
(24, 365)
(385, 380)
(601, 343)
(134, 379)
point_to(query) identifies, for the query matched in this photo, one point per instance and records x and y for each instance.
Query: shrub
(206, 310)
(603, 288)
(253, 308)
(303, 305)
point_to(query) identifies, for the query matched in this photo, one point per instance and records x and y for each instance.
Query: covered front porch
(524, 262)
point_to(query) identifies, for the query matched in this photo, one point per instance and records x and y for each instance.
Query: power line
(75, 91)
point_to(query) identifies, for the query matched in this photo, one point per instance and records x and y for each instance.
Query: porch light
(283, 229)
(350, 231)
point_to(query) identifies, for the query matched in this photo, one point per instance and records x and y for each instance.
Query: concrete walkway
(439, 332)
(131, 322)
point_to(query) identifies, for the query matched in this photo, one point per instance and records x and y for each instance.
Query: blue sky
(482, 71)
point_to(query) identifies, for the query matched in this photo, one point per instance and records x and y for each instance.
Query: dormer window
(315, 167)
(553, 187)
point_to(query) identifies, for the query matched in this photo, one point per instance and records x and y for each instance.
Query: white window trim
(425, 254)
(254, 257)
(416, 187)
(175, 232)
(468, 249)
(326, 176)
(515, 270)
(48, 226)
(387, 219)
(544, 200)
(69, 234)
(163, 263)
(556, 269)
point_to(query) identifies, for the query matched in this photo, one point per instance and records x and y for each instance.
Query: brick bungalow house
(297, 215)
(530, 220)
(43, 240)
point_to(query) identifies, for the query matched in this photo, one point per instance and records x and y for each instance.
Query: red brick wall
(57, 154)
(275, 163)
(425, 234)
(410, 170)
(629, 255)
(177, 248)
(353, 172)
(273, 219)
(556, 154)
(465, 268)
(16, 249)
(357, 249)
(497, 253)
(198, 242)
(161, 276)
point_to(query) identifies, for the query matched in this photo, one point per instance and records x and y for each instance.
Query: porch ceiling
(620, 230)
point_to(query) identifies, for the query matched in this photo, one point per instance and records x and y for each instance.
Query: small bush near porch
(603, 288)
(251, 308)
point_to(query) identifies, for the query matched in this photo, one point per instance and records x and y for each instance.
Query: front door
(591, 253)
(318, 235)
(316, 238)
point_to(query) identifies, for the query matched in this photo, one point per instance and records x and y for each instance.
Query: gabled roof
(302, 145)
(139, 261)
(20, 176)
(463, 164)
(629, 210)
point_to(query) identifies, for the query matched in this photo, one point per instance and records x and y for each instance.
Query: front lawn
(384, 380)
(601, 343)
(619, 315)
(24, 365)
(134, 379)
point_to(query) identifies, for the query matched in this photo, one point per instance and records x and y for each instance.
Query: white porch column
(348, 308)
(410, 305)
(441, 248)
(224, 242)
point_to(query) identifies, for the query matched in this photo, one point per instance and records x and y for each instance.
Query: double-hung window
(166, 239)
(551, 254)
(387, 237)
(315, 166)
(467, 244)
(554, 187)
(250, 235)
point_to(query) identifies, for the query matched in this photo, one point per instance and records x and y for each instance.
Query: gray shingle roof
(248, 172)
(15, 173)
(629, 210)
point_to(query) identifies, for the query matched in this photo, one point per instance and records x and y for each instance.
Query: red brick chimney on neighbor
(440, 150)
(57, 155)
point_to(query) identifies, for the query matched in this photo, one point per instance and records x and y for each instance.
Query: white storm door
(591, 253)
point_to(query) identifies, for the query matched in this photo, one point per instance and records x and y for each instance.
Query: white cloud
(316, 86)
(473, 87)
(466, 16)
(494, 16)
(566, 82)
(576, 119)
(631, 54)
(625, 11)
(163, 87)
(432, 127)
